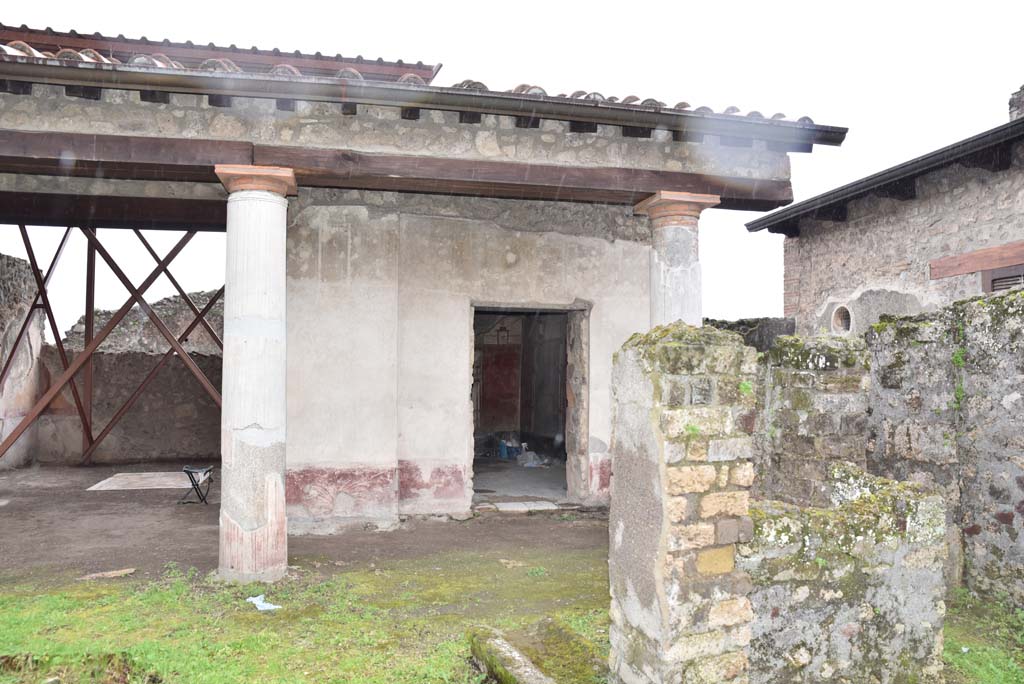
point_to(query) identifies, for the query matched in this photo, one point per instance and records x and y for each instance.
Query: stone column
(683, 410)
(675, 263)
(253, 528)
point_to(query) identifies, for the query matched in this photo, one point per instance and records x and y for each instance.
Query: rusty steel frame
(44, 296)
(154, 318)
(181, 291)
(119, 414)
(33, 308)
(85, 356)
(90, 324)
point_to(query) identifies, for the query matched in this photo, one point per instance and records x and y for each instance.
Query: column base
(259, 555)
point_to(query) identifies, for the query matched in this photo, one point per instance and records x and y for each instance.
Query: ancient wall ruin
(948, 411)
(174, 419)
(21, 387)
(957, 209)
(845, 581)
(850, 592)
(684, 402)
(812, 411)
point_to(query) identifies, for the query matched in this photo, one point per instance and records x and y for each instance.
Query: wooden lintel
(1001, 256)
(106, 211)
(117, 156)
(350, 169)
(169, 159)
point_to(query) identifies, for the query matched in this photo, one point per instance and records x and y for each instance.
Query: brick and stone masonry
(948, 411)
(849, 593)
(957, 210)
(174, 419)
(683, 413)
(812, 411)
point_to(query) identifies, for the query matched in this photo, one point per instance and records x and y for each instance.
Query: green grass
(401, 622)
(984, 641)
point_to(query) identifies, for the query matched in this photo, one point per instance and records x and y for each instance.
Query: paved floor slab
(524, 506)
(125, 481)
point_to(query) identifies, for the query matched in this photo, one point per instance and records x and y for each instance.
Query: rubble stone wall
(957, 210)
(707, 587)
(948, 411)
(21, 387)
(812, 411)
(853, 592)
(173, 419)
(683, 406)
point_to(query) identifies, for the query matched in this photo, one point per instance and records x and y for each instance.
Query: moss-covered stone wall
(850, 593)
(947, 410)
(812, 411)
(683, 401)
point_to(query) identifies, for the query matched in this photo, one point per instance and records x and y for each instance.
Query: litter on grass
(261, 603)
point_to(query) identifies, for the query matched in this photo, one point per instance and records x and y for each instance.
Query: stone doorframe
(577, 388)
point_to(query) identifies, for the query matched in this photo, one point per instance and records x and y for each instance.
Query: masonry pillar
(675, 263)
(253, 528)
(683, 410)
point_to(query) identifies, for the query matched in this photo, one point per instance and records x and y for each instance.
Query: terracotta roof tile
(164, 54)
(72, 46)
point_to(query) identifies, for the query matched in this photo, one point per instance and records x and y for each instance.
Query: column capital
(682, 206)
(276, 179)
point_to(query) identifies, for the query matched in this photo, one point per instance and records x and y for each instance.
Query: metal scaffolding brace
(83, 361)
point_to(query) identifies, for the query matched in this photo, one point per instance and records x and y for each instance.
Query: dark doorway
(519, 405)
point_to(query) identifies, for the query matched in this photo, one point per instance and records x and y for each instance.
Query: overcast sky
(905, 77)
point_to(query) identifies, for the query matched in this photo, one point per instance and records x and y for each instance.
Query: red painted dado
(601, 476)
(442, 482)
(368, 491)
(319, 489)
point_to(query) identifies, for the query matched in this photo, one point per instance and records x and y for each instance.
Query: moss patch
(400, 622)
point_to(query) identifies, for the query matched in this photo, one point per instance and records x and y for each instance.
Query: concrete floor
(497, 481)
(49, 523)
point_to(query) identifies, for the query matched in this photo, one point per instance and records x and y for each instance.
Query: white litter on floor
(261, 603)
(4, 502)
(122, 481)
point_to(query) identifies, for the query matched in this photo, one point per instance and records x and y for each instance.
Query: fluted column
(675, 261)
(253, 527)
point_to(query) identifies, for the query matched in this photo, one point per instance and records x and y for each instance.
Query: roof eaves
(793, 135)
(990, 149)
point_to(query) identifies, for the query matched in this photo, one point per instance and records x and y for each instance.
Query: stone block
(727, 531)
(716, 561)
(688, 479)
(737, 611)
(681, 508)
(690, 647)
(841, 382)
(727, 668)
(701, 390)
(742, 474)
(746, 529)
(695, 536)
(731, 449)
(696, 421)
(725, 503)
